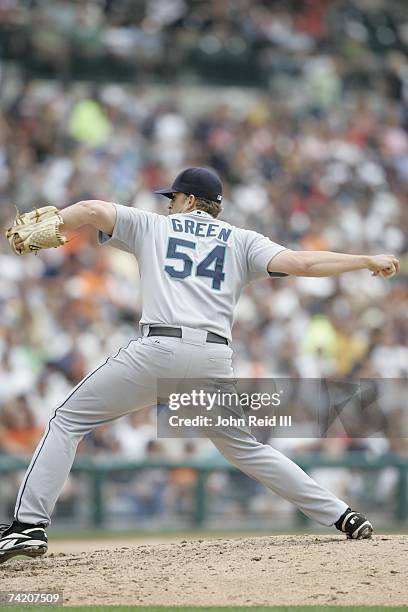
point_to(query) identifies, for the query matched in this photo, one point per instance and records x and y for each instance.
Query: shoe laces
(3, 528)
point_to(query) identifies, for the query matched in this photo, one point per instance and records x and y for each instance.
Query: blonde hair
(208, 206)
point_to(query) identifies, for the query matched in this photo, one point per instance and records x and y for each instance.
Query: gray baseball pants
(126, 382)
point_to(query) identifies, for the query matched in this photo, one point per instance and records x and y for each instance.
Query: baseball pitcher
(193, 268)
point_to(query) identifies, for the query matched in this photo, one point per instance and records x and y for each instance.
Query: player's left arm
(120, 226)
(43, 227)
(99, 214)
(327, 263)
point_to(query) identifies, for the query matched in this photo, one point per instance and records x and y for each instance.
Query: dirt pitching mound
(273, 570)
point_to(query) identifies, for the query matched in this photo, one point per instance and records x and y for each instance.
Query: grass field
(212, 609)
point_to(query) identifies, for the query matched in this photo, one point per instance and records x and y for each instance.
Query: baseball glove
(38, 229)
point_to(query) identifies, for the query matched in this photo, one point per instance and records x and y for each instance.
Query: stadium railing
(99, 470)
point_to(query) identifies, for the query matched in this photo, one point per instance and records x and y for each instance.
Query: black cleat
(22, 539)
(355, 525)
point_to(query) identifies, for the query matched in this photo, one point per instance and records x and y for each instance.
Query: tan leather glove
(38, 229)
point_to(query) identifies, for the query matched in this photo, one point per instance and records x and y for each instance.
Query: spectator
(19, 434)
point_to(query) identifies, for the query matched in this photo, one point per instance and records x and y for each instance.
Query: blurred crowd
(319, 161)
(241, 41)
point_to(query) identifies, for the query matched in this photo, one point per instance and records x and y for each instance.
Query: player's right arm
(327, 263)
(265, 256)
(101, 215)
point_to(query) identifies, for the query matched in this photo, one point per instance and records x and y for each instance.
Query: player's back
(192, 265)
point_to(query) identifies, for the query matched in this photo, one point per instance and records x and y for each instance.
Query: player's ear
(191, 202)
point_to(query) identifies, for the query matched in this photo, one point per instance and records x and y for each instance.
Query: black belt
(175, 332)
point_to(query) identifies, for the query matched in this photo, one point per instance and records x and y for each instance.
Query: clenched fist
(386, 265)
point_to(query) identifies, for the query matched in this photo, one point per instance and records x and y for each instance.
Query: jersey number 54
(212, 266)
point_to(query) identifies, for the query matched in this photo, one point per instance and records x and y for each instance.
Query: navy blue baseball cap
(201, 182)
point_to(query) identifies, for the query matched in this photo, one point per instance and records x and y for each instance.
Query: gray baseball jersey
(192, 266)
